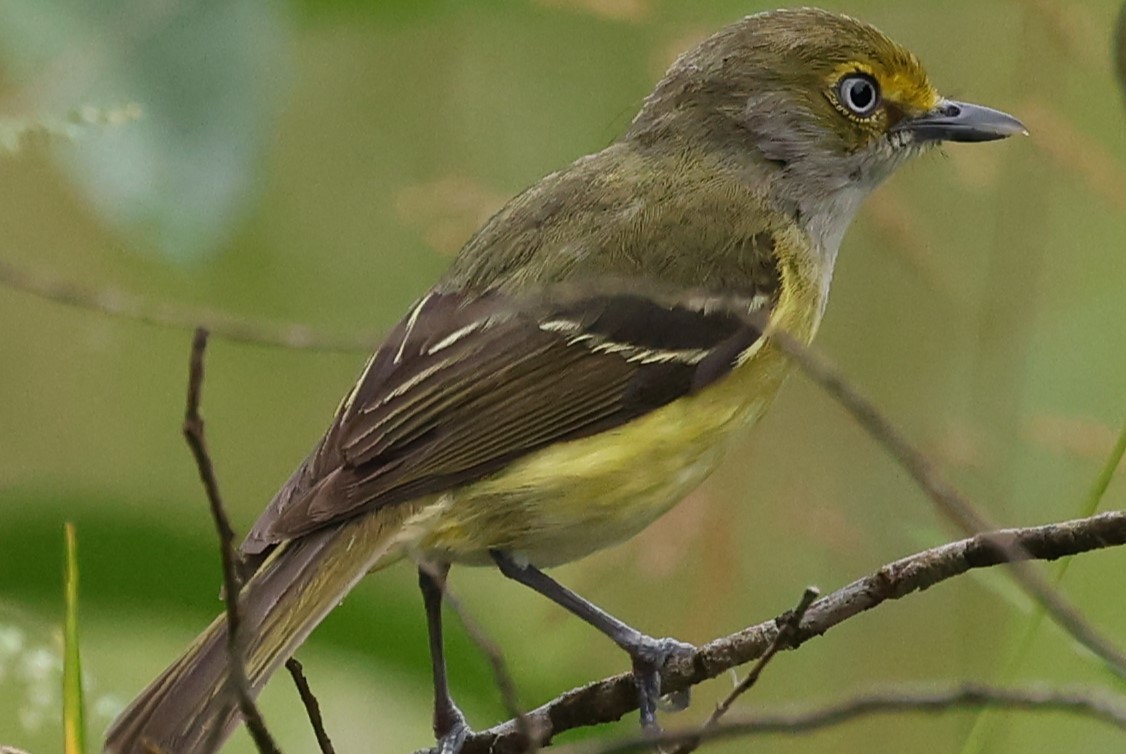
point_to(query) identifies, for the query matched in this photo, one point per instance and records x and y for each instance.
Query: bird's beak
(961, 121)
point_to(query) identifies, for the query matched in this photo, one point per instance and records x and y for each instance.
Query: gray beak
(961, 121)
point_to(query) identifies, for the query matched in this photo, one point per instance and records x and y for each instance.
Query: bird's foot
(451, 731)
(650, 657)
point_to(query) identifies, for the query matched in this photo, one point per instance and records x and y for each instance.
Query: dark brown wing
(466, 384)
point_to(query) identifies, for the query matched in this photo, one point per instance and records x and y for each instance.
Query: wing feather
(468, 383)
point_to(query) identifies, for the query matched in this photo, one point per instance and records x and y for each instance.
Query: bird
(588, 358)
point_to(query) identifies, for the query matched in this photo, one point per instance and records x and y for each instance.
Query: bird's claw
(452, 732)
(650, 656)
(452, 742)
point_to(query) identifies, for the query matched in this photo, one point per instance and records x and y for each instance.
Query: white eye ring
(859, 94)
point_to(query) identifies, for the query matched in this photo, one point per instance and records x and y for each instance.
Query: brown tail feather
(187, 709)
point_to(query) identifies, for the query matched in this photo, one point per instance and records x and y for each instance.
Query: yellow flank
(571, 499)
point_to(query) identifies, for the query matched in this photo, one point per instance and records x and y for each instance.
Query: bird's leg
(450, 727)
(649, 655)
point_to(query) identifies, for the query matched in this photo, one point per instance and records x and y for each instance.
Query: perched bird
(589, 356)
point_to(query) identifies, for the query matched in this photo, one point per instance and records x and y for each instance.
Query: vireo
(589, 356)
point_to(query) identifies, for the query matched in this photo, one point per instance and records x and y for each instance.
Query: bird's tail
(188, 709)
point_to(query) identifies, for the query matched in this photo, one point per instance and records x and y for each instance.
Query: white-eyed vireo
(590, 354)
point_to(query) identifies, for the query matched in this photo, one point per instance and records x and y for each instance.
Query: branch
(788, 626)
(236, 639)
(529, 738)
(312, 706)
(948, 501)
(127, 306)
(1079, 701)
(611, 698)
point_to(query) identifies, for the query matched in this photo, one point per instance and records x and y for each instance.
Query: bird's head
(814, 107)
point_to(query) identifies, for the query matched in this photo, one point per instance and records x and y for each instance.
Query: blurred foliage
(318, 162)
(208, 75)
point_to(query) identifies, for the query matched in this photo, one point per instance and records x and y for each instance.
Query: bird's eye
(859, 94)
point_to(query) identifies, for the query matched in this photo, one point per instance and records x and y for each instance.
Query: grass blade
(74, 723)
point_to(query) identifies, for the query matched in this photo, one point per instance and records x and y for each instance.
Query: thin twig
(976, 739)
(788, 625)
(949, 502)
(312, 706)
(236, 640)
(530, 739)
(611, 698)
(127, 306)
(1077, 701)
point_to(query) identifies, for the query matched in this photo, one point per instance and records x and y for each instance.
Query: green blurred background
(318, 162)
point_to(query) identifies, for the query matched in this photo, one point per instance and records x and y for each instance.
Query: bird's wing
(467, 383)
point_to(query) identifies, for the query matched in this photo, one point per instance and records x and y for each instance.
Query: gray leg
(450, 727)
(649, 655)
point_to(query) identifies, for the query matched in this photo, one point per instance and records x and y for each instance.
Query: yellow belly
(571, 499)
